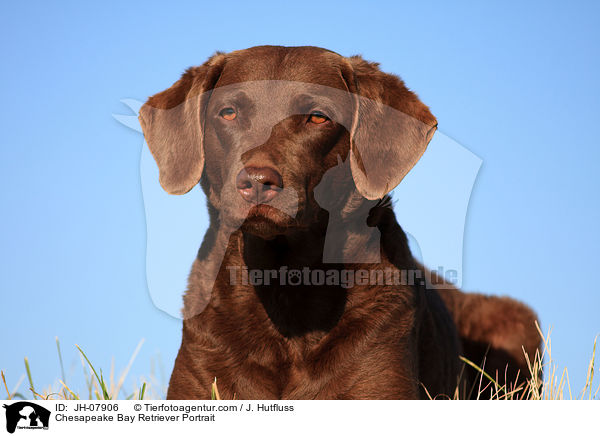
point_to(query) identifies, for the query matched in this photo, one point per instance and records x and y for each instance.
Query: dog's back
(499, 335)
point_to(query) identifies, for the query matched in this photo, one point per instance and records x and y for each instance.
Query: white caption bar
(298, 417)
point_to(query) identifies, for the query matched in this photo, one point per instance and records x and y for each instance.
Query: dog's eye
(228, 113)
(318, 117)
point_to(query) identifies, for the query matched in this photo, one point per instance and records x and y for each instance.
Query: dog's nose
(259, 185)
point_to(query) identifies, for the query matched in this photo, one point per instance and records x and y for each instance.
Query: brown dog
(296, 149)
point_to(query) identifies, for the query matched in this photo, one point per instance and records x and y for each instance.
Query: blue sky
(516, 84)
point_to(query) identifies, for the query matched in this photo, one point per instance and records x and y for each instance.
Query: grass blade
(60, 359)
(100, 379)
(590, 373)
(75, 397)
(214, 394)
(29, 376)
(128, 367)
(5, 387)
(490, 378)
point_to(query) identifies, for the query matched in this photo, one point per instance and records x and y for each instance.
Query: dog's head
(276, 135)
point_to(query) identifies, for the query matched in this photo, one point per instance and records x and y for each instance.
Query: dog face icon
(26, 414)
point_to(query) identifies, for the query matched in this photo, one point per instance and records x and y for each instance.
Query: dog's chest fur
(295, 341)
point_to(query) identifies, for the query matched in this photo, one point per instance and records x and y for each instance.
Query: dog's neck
(362, 239)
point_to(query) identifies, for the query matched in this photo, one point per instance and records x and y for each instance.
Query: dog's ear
(390, 130)
(173, 124)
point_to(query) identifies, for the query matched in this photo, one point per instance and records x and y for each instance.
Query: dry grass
(97, 387)
(545, 380)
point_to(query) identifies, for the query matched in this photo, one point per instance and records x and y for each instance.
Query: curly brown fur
(330, 212)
